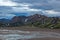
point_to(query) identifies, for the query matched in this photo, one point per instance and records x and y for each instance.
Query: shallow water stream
(18, 34)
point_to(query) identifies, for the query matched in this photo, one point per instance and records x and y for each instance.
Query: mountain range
(36, 20)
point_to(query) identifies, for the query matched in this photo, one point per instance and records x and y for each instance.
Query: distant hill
(3, 20)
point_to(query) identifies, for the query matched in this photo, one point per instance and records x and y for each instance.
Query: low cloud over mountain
(11, 8)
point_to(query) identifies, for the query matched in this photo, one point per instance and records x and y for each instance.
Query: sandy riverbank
(45, 39)
(31, 29)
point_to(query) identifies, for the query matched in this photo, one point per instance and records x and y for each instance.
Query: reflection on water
(15, 37)
(17, 34)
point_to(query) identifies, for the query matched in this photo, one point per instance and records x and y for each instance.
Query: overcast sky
(11, 8)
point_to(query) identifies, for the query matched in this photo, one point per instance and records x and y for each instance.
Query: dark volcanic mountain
(18, 19)
(37, 20)
(34, 18)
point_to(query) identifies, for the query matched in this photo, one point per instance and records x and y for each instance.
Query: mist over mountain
(11, 8)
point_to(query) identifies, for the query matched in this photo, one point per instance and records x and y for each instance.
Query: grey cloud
(31, 4)
(42, 4)
(5, 9)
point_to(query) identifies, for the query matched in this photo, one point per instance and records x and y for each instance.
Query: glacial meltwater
(21, 35)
